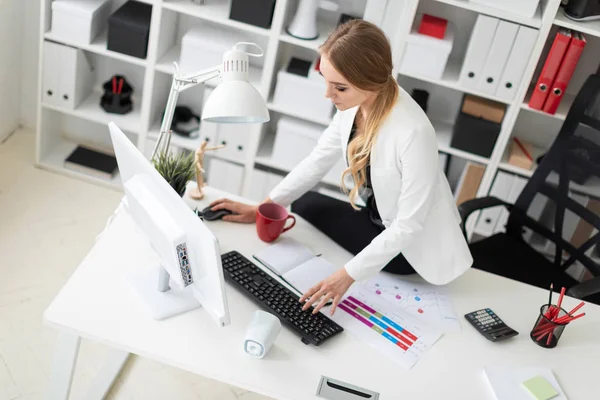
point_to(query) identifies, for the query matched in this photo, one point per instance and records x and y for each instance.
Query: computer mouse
(210, 215)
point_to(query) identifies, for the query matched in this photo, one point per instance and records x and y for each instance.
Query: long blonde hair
(360, 51)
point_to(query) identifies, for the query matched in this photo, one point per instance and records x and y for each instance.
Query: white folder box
(259, 181)
(525, 8)
(76, 77)
(51, 73)
(498, 56)
(517, 61)
(516, 189)
(225, 175)
(489, 217)
(79, 21)
(477, 51)
(236, 138)
(425, 55)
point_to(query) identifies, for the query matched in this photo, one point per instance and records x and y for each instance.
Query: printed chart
(391, 330)
(426, 302)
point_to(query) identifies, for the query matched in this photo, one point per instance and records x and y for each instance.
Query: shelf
(177, 140)
(165, 65)
(324, 30)
(98, 46)
(450, 80)
(264, 158)
(215, 11)
(90, 110)
(282, 110)
(527, 173)
(589, 27)
(444, 137)
(535, 22)
(561, 112)
(54, 161)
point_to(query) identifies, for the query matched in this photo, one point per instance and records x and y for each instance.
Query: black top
(371, 204)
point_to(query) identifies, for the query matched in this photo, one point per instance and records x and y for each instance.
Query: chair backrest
(566, 185)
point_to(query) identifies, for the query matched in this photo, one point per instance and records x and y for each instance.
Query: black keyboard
(277, 299)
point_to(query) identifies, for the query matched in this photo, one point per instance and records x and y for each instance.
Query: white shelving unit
(170, 18)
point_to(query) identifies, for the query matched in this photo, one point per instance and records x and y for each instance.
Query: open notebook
(295, 263)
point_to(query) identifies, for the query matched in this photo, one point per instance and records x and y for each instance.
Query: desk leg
(63, 366)
(107, 375)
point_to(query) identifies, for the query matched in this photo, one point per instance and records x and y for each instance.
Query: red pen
(120, 85)
(114, 84)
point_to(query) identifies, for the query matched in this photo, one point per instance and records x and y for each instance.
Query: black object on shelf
(299, 67)
(583, 10)
(421, 96)
(475, 135)
(254, 12)
(582, 149)
(129, 28)
(185, 122)
(345, 18)
(117, 95)
(90, 161)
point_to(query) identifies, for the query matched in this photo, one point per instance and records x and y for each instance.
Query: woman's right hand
(242, 213)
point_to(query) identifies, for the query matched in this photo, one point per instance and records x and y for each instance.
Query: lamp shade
(235, 101)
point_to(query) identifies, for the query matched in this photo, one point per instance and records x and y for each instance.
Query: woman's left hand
(333, 287)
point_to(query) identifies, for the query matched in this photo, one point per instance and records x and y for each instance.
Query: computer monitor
(188, 271)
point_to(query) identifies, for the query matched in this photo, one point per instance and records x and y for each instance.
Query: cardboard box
(484, 108)
(521, 154)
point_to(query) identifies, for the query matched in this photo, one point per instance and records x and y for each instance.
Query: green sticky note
(539, 388)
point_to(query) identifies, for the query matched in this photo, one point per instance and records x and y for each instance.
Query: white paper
(284, 255)
(387, 328)
(309, 273)
(505, 381)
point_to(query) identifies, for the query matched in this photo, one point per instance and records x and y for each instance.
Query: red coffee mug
(270, 221)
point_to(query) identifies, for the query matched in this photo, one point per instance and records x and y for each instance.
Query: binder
(565, 72)
(477, 51)
(489, 217)
(225, 176)
(51, 73)
(497, 57)
(76, 77)
(517, 61)
(516, 189)
(551, 66)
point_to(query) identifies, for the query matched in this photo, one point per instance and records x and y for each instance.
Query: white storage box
(294, 140)
(302, 95)
(425, 55)
(79, 21)
(526, 8)
(204, 48)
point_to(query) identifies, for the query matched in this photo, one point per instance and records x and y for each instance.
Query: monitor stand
(161, 300)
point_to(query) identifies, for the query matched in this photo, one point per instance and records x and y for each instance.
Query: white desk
(97, 303)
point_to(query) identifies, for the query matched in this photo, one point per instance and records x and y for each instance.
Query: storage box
(253, 12)
(129, 28)
(294, 140)
(425, 55)
(79, 21)
(526, 8)
(521, 154)
(475, 135)
(484, 108)
(302, 95)
(433, 26)
(203, 48)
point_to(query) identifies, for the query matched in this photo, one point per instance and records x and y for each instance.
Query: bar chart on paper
(393, 332)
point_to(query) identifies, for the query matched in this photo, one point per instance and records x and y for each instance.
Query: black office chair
(573, 157)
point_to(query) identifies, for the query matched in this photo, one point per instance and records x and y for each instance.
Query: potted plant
(177, 169)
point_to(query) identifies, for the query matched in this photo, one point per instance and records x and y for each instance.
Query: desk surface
(97, 303)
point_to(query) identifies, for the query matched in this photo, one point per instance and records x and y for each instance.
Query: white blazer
(413, 196)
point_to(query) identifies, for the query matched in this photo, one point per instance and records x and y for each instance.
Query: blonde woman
(410, 221)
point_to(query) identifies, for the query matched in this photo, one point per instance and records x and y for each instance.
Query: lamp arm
(179, 84)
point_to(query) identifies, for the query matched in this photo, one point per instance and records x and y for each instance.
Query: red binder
(565, 72)
(553, 61)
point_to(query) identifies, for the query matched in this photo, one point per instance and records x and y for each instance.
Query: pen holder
(117, 95)
(547, 330)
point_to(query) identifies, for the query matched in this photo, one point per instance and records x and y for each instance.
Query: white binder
(517, 61)
(516, 189)
(51, 73)
(76, 77)
(497, 57)
(477, 51)
(489, 217)
(259, 185)
(225, 175)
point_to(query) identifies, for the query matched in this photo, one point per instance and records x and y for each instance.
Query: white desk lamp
(234, 100)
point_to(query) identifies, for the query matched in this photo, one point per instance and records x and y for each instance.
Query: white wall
(10, 65)
(30, 59)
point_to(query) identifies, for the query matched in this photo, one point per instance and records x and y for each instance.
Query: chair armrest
(585, 289)
(470, 206)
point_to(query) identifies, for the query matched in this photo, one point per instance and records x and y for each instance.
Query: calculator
(490, 325)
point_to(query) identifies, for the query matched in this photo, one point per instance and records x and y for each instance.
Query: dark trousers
(351, 229)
